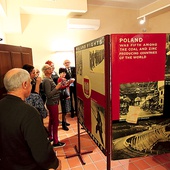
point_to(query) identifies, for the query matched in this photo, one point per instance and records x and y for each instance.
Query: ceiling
(130, 4)
(126, 4)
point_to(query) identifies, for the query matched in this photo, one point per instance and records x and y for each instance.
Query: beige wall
(159, 22)
(46, 34)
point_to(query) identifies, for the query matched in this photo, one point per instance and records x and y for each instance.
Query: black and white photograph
(147, 137)
(97, 60)
(145, 99)
(98, 122)
(80, 110)
(167, 64)
(79, 63)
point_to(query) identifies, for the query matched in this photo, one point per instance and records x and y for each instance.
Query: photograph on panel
(79, 63)
(141, 99)
(145, 138)
(80, 110)
(96, 59)
(167, 64)
(98, 122)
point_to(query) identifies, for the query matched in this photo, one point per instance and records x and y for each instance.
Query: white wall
(2, 37)
(46, 34)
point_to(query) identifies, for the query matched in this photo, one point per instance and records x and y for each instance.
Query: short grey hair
(14, 78)
(44, 67)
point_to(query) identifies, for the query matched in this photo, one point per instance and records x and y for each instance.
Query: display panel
(140, 124)
(91, 88)
(138, 74)
(128, 85)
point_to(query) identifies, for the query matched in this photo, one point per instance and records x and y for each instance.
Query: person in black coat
(23, 142)
(71, 73)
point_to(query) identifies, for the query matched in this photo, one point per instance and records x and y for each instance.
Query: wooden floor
(96, 160)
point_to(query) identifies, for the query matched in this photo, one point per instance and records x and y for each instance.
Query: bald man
(23, 140)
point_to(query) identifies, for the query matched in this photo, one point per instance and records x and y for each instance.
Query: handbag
(64, 94)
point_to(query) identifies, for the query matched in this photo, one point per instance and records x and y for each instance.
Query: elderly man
(71, 73)
(23, 140)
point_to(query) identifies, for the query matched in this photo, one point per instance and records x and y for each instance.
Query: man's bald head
(14, 79)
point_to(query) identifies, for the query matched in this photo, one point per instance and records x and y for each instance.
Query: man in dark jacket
(71, 73)
(23, 140)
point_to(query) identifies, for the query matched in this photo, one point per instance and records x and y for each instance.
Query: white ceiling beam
(11, 22)
(52, 6)
(2, 8)
(154, 7)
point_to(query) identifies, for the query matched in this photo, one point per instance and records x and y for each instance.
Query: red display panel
(138, 70)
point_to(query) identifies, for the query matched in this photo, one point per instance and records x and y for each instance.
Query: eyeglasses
(48, 68)
(67, 62)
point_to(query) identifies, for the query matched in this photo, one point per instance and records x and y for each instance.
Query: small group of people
(66, 77)
(23, 110)
(70, 74)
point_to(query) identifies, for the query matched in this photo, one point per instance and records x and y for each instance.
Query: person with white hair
(23, 139)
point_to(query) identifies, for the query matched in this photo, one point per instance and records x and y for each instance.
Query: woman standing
(65, 96)
(54, 73)
(52, 95)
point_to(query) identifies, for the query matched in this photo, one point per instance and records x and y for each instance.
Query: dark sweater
(23, 140)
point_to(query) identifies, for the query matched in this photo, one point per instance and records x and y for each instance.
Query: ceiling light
(142, 21)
